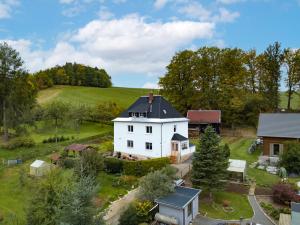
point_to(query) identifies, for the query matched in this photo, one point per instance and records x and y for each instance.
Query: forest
(73, 74)
(240, 83)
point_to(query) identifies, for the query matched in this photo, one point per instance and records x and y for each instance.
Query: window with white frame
(149, 129)
(276, 149)
(184, 145)
(129, 143)
(130, 128)
(148, 146)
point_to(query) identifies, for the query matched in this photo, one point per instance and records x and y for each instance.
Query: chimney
(150, 97)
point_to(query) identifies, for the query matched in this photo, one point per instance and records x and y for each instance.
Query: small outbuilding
(39, 168)
(77, 148)
(200, 119)
(237, 169)
(179, 207)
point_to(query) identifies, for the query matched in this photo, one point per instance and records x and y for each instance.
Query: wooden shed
(200, 119)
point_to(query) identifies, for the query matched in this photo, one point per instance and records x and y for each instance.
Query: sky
(134, 40)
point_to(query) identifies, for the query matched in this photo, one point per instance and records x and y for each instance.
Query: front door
(174, 152)
(174, 147)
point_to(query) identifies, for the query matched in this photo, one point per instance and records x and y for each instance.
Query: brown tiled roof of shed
(77, 147)
(204, 116)
(55, 156)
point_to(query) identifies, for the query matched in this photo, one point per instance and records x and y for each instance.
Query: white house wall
(162, 133)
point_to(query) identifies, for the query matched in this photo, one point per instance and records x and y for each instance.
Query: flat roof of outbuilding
(236, 165)
(180, 198)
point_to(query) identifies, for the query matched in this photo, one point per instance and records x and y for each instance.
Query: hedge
(141, 168)
(113, 165)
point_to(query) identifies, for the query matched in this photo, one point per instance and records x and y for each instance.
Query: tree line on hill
(73, 74)
(240, 83)
(18, 92)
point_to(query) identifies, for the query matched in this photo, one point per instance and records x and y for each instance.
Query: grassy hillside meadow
(91, 95)
(295, 101)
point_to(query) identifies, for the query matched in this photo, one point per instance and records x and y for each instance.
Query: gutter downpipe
(161, 140)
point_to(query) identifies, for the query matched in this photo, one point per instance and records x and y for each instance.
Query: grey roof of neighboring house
(286, 125)
(295, 207)
(178, 137)
(180, 198)
(160, 108)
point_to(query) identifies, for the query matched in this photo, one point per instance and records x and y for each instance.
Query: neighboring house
(276, 128)
(152, 128)
(200, 119)
(178, 208)
(39, 168)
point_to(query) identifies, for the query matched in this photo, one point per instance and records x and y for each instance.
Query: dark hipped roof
(180, 198)
(160, 108)
(204, 116)
(286, 125)
(178, 137)
(295, 207)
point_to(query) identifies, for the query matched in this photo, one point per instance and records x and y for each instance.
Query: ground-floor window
(129, 143)
(148, 145)
(184, 145)
(276, 149)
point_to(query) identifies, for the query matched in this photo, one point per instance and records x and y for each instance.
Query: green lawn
(13, 197)
(87, 129)
(238, 202)
(91, 95)
(109, 191)
(295, 103)
(239, 147)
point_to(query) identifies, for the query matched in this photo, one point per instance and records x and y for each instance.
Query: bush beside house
(135, 168)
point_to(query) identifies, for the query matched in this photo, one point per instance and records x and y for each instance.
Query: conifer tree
(209, 162)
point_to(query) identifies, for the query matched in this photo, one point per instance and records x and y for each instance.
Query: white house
(152, 128)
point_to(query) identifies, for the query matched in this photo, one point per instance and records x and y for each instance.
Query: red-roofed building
(200, 119)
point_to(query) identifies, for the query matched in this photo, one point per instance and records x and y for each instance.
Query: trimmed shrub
(113, 165)
(26, 142)
(141, 168)
(284, 194)
(53, 139)
(68, 163)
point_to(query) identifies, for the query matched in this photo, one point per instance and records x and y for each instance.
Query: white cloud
(73, 11)
(129, 45)
(159, 4)
(66, 1)
(105, 14)
(197, 11)
(150, 85)
(6, 7)
(228, 2)
(226, 16)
